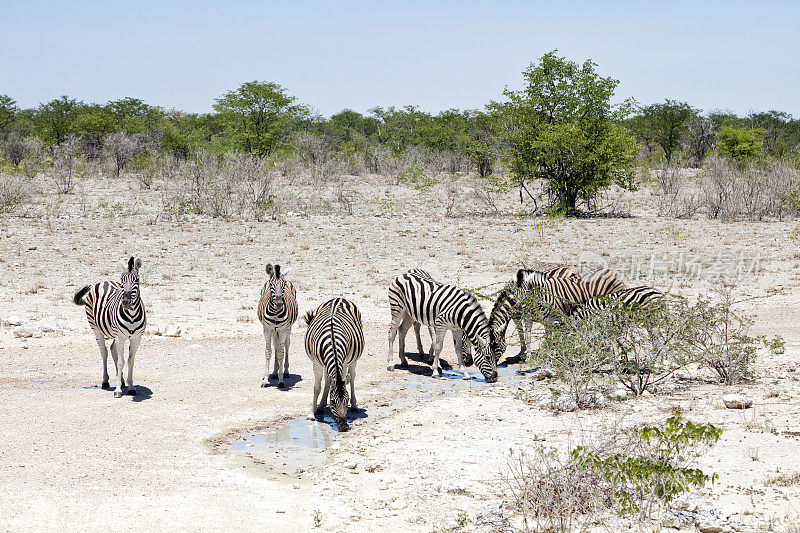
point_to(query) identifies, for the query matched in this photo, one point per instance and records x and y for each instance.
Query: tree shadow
(289, 381)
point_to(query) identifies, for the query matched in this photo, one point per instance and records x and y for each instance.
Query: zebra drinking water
(116, 312)
(334, 342)
(445, 307)
(277, 311)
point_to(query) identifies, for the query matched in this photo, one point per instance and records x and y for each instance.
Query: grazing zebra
(445, 307)
(509, 305)
(407, 321)
(559, 296)
(115, 311)
(642, 295)
(277, 311)
(334, 342)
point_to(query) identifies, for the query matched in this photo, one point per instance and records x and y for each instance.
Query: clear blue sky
(741, 56)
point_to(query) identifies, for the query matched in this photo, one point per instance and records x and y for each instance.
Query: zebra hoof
(131, 391)
(281, 385)
(264, 384)
(117, 394)
(390, 368)
(105, 385)
(466, 376)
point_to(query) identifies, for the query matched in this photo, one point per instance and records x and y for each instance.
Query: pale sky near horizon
(740, 56)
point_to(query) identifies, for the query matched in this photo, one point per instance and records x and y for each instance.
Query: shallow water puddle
(299, 445)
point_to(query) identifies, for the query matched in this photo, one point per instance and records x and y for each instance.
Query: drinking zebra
(408, 321)
(277, 311)
(334, 342)
(509, 306)
(116, 312)
(445, 307)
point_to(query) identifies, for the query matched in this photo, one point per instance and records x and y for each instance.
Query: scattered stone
(737, 401)
(397, 504)
(542, 373)
(172, 331)
(26, 332)
(566, 402)
(593, 400)
(621, 394)
(682, 375)
(12, 320)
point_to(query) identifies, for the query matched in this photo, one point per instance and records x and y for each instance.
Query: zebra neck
(501, 312)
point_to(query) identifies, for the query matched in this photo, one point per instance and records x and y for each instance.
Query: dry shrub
(674, 195)
(752, 192)
(66, 164)
(15, 190)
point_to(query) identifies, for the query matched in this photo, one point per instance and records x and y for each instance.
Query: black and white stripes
(277, 311)
(115, 311)
(334, 342)
(445, 307)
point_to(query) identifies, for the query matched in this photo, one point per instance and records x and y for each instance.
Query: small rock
(566, 402)
(12, 320)
(172, 331)
(593, 400)
(352, 466)
(737, 401)
(26, 332)
(397, 504)
(542, 373)
(621, 394)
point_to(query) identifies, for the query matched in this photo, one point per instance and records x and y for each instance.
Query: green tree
(94, 125)
(134, 116)
(259, 116)
(54, 121)
(561, 128)
(8, 113)
(667, 124)
(740, 144)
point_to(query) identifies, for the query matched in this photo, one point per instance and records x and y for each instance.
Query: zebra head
(530, 278)
(497, 342)
(130, 283)
(277, 284)
(486, 362)
(340, 401)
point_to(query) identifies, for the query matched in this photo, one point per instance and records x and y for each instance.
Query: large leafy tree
(55, 120)
(667, 124)
(562, 128)
(259, 116)
(8, 113)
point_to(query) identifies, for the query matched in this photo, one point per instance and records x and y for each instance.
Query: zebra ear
(285, 272)
(277, 271)
(130, 264)
(138, 264)
(269, 269)
(520, 277)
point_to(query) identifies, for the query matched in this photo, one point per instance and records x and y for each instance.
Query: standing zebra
(115, 311)
(642, 295)
(509, 305)
(445, 307)
(334, 342)
(277, 311)
(407, 321)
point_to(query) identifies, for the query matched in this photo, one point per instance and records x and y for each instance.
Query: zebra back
(335, 336)
(641, 295)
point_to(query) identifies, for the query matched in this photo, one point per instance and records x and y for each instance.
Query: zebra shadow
(142, 393)
(419, 365)
(328, 419)
(289, 380)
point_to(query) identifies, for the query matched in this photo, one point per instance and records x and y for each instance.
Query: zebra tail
(308, 317)
(78, 299)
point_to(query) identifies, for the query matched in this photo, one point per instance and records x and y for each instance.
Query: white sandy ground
(73, 457)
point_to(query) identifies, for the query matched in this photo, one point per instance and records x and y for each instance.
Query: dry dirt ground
(73, 457)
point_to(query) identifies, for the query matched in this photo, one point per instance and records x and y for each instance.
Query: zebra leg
(118, 346)
(417, 327)
(134, 345)
(404, 327)
(397, 319)
(458, 342)
(466, 348)
(101, 342)
(323, 402)
(521, 333)
(267, 354)
(437, 350)
(281, 339)
(430, 352)
(353, 404)
(278, 349)
(527, 325)
(288, 337)
(318, 371)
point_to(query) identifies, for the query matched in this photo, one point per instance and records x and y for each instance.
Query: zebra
(445, 307)
(556, 297)
(116, 312)
(633, 296)
(277, 311)
(509, 306)
(407, 321)
(334, 342)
